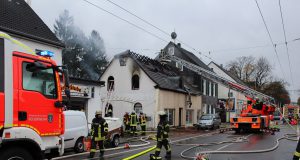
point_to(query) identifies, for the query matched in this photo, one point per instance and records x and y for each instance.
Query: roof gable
(236, 79)
(18, 18)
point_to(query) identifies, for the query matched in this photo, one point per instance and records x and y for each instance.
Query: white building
(136, 82)
(22, 23)
(232, 100)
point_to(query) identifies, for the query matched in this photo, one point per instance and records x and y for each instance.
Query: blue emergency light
(45, 53)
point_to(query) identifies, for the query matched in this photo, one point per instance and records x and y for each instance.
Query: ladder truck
(31, 116)
(251, 119)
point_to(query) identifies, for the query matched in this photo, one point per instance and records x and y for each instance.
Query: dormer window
(110, 83)
(135, 82)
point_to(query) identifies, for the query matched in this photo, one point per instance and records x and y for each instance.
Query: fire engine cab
(31, 117)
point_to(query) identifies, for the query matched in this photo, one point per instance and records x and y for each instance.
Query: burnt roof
(192, 58)
(165, 76)
(18, 18)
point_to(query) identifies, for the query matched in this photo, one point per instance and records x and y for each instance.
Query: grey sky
(206, 25)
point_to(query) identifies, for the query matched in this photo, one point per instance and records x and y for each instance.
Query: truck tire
(15, 153)
(116, 141)
(79, 145)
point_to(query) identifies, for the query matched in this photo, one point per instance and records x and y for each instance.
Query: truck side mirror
(67, 83)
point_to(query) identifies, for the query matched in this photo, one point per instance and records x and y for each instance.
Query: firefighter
(162, 137)
(142, 120)
(99, 130)
(126, 122)
(133, 122)
(297, 152)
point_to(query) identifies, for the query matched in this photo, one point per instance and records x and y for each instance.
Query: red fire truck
(31, 117)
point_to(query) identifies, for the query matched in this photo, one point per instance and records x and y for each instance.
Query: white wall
(35, 45)
(123, 97)
(223, 90)
(93, 104)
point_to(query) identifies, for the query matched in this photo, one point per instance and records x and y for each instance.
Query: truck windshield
(42, 81)
(206, 117)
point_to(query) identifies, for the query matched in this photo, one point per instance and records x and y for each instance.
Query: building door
(180, 116)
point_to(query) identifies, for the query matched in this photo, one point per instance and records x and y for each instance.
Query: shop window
(135, 82)
(189, 117)
(170, 116)
(110, 83)
(138, 108)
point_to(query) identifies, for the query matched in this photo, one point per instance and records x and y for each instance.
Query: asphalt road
(246, 142)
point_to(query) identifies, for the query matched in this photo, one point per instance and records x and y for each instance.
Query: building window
(207, 88)
(204, 87)
(179, 66)
(135, 82)
(212, 89)
(122, 61)
(189, 117)
(138, 108)
(93, 92)
(170, 116)
(110, 83)
(216, 90)
(108, 110)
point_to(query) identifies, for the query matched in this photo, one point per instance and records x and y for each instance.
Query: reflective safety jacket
(133, 119)
(99, 129)
(163, 129)
(142, 119)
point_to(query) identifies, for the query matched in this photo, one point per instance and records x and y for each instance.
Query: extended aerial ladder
(212, 75)
(256, 119)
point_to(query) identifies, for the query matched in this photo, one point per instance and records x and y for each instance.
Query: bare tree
(242, 67)
(262, 73)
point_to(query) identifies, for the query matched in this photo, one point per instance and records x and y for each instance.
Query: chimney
(179, 45)
(221, 65)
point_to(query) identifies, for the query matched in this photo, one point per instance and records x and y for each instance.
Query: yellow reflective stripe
(93, 150)
(33, 128)
(297, 154)
(8, 37)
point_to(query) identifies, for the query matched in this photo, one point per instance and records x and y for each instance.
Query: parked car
(76, 129)
(209, 121)
(115, 131)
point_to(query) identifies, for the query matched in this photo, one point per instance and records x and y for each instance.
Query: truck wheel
(79, 146)
(116, 141)
(15, 153)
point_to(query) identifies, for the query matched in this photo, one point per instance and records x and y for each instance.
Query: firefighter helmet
(98, 112)
(161, 113)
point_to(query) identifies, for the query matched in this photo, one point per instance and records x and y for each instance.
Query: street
(246, 142)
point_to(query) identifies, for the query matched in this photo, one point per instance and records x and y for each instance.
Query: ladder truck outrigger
(255, 117)
(31, 115)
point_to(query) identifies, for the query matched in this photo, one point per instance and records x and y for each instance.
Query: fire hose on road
(182, 154)
(142, 139)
